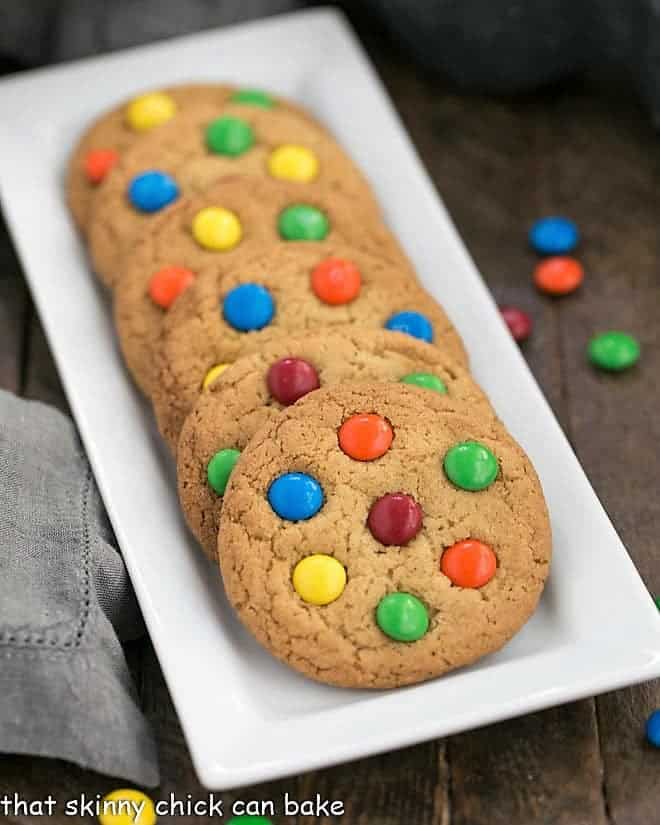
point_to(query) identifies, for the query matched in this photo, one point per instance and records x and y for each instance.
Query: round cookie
(143, 299)
(252, 391)
(220, 318)
(372, 538)
(115, 131)
(202, 145)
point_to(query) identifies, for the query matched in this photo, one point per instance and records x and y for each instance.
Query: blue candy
(248, 307)
(153, 190)
(295, 496)
(653, 729)
(554, 236)
(412, 323)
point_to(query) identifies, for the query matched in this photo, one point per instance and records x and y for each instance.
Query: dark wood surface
(582, 150)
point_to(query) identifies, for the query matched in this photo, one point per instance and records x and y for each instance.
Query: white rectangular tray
(246, 717)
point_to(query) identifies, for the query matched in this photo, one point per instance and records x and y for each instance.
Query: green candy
(471, 466)
(613, 351)
(301, 222)
(656, 599)
(402, 617)
(229, 136)
(425, 380)
(253, 97)
(249, 819)
(219, 469)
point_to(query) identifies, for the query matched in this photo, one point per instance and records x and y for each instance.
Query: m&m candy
(216, 228)
(168, 283)
(336, 281)
(471, 466)
(653, 729)
(231, 136)
(395, 519)
(253, 97)
(365, 437)
(290, 378)
(248, 307)
(411, 323)
(402, 617)
(519, 322)
(212, 374)
(294, 163)
(302, 222)
(219, 469)
(425, 380)
(152, 190)
(150, 110)
(613, 351)
(120, 807)
(98, 163)
(469, 563)
(295, 496)
(558, 275)
(319, 579)
(554, 236)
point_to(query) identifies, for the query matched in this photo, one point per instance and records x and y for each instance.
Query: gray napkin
(65, 603)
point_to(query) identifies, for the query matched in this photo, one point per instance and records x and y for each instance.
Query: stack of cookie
(374, 522)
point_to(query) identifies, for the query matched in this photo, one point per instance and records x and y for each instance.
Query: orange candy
(559, 275)
(365, 437)
(469, 563)
(98, 163)
(168, 283)
(336, 281)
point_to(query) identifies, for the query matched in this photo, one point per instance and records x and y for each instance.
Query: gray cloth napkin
(65, 603)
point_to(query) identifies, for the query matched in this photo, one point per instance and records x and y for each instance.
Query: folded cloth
(65, 602)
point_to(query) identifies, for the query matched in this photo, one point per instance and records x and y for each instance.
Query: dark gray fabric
(64, 601)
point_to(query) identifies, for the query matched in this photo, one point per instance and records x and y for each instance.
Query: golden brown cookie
(144, 297)
(206, 143)
(114, 132)
(372, 538)
(218, 319)
(252, 391)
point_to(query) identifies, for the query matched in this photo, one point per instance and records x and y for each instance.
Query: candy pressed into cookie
(371, 537)
(220, 318)
(206, 143)
(243, 397)
(145, 296)
(115, 131)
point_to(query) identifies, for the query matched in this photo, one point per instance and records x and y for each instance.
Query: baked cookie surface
(197, 148)
(251, 392)
(371, 538)
(159, 270)
(220, 318)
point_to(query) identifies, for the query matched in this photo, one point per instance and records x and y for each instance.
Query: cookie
(373, 538)
(202, 145)
(114, 132)
(252, 391)
(218, 319)
(144, 297)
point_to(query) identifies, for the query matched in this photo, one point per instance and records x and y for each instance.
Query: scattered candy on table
(554, 236)
(613, 351)
(559, 275)
(520, 323)
(653, 729)
(656, 599)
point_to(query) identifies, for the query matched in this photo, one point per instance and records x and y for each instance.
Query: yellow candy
(319, 579)
(295, 163)
(150, 110)
(212, 374)
(127, 806)
(216, 228)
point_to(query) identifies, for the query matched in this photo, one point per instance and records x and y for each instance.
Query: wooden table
(582, 151)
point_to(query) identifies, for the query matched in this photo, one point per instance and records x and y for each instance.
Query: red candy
(519, 322)
(98, 163)
(396, 518)
(336, 281)
(290, 378)
(168, 283)
(559, 275)
(469, 563)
